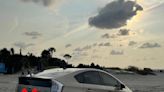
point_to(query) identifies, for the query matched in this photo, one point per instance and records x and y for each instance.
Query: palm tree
(4, 53)
(51, 50)
(67, 56)
(12, 51)
(45, 54)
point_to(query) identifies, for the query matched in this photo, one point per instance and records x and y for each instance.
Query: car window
(80, 78)
(91, 77)
(108, 80)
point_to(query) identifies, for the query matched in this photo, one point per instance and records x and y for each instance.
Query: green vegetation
(18, 62)
(134, 70)
(145, 71)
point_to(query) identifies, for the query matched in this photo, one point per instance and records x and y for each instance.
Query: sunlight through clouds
(65, 25)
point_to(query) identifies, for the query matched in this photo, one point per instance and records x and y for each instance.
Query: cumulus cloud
(101, 44)
(105, 44)
(95, 44)
(150, 45)
(123, 32)
(117, 52)
(113, 36)
(79, 54)
(23, 45)
(68, 45)
(87, 47)
(107, 36)
(115, 14)
(132, 43)
(33, 35)
(78, 49)
(43, 2)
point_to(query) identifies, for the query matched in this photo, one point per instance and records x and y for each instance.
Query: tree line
(16, 62)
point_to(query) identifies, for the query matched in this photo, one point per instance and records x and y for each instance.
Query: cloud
(123, 32)
(23, 45)
(105, 44)
(43, 2)
(117, 52)
(78, 49)
(68, 45)
(115, 14)
(95, 44)
(113, 36)
(107, 36)
(33, 35)
(87, 47)
(132, 43)
(79, 54)
(150, 45)
(101, 44)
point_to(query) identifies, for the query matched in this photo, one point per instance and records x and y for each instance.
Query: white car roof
(59, 72)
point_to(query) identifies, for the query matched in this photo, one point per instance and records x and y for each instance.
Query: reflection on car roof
(58, 72)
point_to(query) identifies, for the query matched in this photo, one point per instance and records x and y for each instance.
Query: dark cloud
(115, 14)
(150, 45)
(23, 45)
(117, 52)
(132, 43)
(43, 2)
(123, 32)
(68, 45)
(33, 35)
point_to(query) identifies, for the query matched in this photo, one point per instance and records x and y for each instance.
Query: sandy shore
(137, 83)
(8, 83)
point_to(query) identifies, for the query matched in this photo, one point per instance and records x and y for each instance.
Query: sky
(112, 33)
